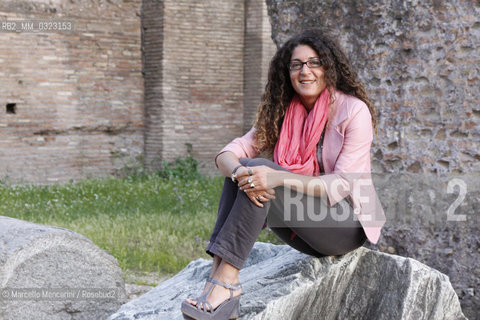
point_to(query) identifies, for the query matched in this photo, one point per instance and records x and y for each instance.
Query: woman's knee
(255, 162)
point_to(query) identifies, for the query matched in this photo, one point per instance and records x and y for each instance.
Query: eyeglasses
(311, 63)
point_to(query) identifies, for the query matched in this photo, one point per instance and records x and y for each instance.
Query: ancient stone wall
(71, 102)
(420, 62)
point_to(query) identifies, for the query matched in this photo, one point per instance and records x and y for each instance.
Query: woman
(317, 120)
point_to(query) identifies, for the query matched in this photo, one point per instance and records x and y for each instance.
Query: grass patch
(149, 223)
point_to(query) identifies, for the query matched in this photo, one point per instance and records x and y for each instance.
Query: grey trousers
(240, 221)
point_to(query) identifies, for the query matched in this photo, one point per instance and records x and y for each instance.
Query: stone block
(281, 283)
(53, 273)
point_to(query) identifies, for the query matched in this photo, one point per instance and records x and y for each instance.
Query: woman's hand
(258, 183)
(259, 198)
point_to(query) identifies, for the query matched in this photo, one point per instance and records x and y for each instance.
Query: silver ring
(250, 172)
(258, 198)
(249, 180)
(252, 185)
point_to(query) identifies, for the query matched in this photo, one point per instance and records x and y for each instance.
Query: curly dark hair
(339, 75)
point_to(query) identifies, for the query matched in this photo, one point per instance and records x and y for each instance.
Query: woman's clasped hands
(257, 183)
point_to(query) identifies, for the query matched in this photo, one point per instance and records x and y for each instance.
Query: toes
(192, 302)
(204, 307)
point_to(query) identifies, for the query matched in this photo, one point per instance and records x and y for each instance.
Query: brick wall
(259, 49)
(202, 79)
(209, 76)
(152, 48)
(78, 95)
(82, 109)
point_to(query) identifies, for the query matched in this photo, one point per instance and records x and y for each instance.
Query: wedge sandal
(229, 309)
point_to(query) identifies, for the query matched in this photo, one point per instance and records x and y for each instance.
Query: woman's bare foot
(226, 273)
(220, 294)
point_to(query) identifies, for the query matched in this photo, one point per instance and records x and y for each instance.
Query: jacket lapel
(334, 133)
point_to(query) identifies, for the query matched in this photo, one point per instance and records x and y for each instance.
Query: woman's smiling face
(307, 82)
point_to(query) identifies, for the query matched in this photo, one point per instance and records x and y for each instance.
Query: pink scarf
(296, 148)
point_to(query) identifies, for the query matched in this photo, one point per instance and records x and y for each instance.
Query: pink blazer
(345, 158)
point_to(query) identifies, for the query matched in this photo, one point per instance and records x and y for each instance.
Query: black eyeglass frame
(308, 63)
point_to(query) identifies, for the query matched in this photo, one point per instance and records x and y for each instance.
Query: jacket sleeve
(351, 176)
(242, 147)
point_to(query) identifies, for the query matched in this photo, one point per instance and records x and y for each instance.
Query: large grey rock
(282, 283)
(54, 273)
